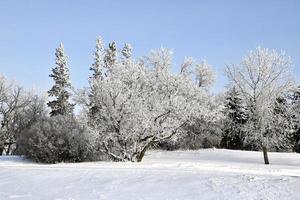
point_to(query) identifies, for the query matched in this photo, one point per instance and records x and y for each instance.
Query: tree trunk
(265, 152)
(141, 154)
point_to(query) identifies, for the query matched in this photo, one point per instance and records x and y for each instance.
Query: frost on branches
(262, 77)
(142, 103)
(60, 90)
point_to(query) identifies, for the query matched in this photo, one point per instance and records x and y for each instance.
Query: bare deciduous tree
(261, 77)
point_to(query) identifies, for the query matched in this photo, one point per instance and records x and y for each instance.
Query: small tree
(60, 90)
(261, 78)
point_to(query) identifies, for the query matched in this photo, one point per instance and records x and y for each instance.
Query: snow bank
(204, 174)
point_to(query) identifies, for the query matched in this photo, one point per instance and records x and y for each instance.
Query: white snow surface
(202, 174)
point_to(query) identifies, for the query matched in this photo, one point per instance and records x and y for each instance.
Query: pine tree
(97, 66)
(111, 56)
(236, 115)
(95, 79)
(60, 90)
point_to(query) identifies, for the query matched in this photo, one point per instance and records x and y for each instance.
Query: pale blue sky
(219, 31)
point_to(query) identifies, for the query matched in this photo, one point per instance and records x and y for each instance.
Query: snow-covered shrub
(57, 139)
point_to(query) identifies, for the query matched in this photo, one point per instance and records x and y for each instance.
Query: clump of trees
(132, 105)
(19, 109)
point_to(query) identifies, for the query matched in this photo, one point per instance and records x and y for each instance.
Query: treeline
(132, 105)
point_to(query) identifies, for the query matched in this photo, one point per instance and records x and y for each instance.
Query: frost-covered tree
(204, 74)
(142, 103)
(97, 69)
(60, 90)
(236, 116)
(262, 77)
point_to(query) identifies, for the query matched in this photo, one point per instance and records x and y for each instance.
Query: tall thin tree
(61, 88)
(97, 69)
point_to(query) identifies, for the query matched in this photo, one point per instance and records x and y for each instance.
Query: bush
(56, 139)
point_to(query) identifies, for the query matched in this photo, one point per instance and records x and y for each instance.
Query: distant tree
(262, 77)
(60, 90)
(236, 116)
(204, 74)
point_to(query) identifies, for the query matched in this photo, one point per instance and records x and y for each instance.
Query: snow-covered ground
(204, 174)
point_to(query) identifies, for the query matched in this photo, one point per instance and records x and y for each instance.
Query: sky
(222, 32)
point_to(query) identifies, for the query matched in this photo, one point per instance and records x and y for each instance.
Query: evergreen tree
(295, 97)
(60, 90)
(111, 56)
(98, 64)
(235, 116)
(96, 77)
